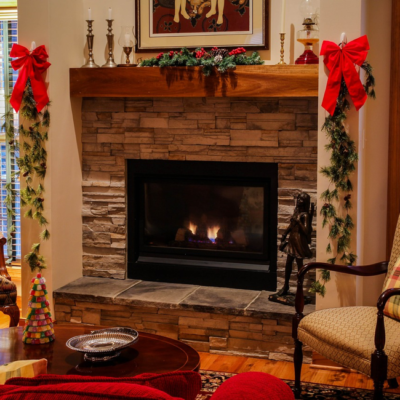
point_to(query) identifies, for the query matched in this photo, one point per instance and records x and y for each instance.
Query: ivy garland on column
(344, 156)
(32, 166)
(30, 98)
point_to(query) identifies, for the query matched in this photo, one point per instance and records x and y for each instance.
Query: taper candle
(110, 13)
(89, 14)
(283, 16)
(127, 40)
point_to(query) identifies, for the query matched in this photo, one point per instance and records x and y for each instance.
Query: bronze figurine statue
(297, 245)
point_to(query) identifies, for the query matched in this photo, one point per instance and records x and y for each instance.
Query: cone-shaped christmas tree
(38, 324)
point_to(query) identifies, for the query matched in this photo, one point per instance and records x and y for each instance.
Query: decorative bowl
(103, 345)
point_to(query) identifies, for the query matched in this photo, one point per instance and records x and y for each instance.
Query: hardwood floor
(280, 369)
(285, 370)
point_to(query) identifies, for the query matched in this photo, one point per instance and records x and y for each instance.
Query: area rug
(212, 380)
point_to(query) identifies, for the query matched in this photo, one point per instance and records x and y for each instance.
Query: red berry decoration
(236, 52)
(200, 53)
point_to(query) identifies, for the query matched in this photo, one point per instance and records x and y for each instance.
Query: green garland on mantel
(222, 59)
(31, 166)
(337, 198)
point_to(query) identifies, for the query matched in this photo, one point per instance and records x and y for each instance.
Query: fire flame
(192, 227)
(212, 232)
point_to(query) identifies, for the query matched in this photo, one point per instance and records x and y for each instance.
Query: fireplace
(206, 223)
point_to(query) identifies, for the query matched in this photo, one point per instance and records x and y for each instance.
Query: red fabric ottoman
(253, 386)
(183, 385)
(83, 391)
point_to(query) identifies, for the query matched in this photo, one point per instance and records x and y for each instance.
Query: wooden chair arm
(385, 296)
(365, 270)
(368, 270)
(379, 358)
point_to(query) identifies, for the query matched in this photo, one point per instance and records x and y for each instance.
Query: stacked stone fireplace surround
(282, 131)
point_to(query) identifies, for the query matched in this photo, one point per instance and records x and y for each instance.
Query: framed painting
(172, 24)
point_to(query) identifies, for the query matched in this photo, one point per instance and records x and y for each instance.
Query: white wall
(124, 14)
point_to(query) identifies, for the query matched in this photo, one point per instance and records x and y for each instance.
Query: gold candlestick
(282, 61)
(90, 37)
(110, 41)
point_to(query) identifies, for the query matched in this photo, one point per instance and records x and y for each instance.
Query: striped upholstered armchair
(366, 339)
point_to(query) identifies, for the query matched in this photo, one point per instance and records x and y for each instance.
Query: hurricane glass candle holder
(127, 40)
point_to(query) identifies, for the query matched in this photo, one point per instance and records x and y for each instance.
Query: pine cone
(220, 52)
(218, 59)
(207, 56)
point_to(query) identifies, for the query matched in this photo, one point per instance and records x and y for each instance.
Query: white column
(59, 27)
(341, 290)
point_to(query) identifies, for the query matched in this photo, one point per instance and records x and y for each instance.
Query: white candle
(283, 16)
(127, 40)
(110, 13)
(343, 38)
(89, 14)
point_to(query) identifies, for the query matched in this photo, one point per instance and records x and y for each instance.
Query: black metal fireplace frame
(246, 271)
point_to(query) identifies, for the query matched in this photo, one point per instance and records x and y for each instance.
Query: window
(8, 36)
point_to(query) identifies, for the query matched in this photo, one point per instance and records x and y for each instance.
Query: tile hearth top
(177, 296)
(156, 294)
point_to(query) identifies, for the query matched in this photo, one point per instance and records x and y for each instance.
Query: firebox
(204, 223)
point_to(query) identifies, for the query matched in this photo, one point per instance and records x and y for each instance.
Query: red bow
(32, 65)
(340, 62)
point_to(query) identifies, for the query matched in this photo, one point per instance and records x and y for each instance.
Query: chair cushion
(8, 292)
(346, 336)
(25, 368)
(254, 386)
(87, 391)
(392, 308)
(184, 384)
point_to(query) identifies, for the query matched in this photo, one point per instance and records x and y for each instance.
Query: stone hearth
(283, 131)
(216, 320)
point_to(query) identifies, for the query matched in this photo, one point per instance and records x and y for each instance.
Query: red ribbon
(340, 62)
(32, 65)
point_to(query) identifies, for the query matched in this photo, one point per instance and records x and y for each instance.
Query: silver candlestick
(110, 41)
(90, 63)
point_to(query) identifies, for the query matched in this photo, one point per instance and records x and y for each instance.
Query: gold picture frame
(163, 24)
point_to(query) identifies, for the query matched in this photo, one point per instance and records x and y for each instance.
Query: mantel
(245, 81)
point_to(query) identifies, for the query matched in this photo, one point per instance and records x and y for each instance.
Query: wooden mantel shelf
(245, 81)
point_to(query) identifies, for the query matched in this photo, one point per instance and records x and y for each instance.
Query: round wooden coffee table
(152, 353)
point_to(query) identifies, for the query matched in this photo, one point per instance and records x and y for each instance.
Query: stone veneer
(202, 129)
(216, 320)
